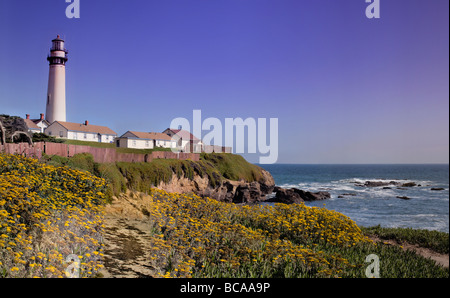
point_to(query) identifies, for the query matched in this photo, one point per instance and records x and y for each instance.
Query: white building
(144, 140)
(81, 132)
(36, 125)
(185, 141)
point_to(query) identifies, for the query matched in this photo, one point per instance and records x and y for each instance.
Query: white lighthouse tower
(56, 94)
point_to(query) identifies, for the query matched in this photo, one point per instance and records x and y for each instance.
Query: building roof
(184, 134)
(87, 128)
(31, 125)
(37, 121)
(151, 135)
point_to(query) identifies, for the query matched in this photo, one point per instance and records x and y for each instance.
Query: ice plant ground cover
(46, 214)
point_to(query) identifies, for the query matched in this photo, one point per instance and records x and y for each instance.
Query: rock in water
(379, 183)
(409, 184)
(294, 195)
(312, 196)
(287, 196)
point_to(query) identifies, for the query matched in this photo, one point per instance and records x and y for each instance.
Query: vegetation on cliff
(144, 176)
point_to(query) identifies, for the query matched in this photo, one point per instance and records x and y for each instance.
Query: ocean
(371, 206)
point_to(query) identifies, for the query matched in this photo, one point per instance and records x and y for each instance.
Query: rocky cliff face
(226, 191)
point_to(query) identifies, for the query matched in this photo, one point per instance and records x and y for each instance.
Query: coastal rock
(385, 184)
(294, 195)
(227, 191)
(437, 188)
(403, 198)
(312, 196)
(286, 196)
(248, 193)
(379, 183)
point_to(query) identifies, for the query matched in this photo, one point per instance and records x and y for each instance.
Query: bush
(40, 137)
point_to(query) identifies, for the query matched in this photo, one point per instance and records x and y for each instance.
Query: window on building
(147, 144)
(61, 133)
(85, 136)
(134, 143)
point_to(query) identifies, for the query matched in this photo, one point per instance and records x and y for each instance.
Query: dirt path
(126, 248)
(441, 259)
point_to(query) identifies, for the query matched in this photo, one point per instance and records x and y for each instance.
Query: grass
(434, 240)
(232, 166)
(112, 145)
(91, 144)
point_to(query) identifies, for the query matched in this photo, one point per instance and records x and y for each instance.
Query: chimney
(86, 122)
(42, 116)
(28, 116)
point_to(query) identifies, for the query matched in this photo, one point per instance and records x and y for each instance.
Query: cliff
(224, 177)
(221, 176)
(226, 190)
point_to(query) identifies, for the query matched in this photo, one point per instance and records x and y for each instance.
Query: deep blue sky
(346, 89)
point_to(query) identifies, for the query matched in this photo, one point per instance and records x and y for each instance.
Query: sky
(344, 88)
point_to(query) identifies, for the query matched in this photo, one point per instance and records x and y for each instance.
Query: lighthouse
(56, 94)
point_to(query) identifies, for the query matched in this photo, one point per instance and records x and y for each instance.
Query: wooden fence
(101, 155)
